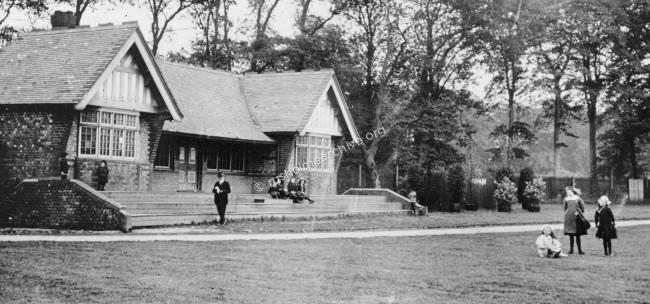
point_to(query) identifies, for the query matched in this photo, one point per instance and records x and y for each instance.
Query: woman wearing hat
(605, 225)
(548, 245)
(572, 205)
(302, 191)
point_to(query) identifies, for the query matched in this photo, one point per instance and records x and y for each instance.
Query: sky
(183, 30)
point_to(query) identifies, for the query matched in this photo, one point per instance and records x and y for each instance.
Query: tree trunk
(634, 166)
(226, 29)
(511, 120)
(557, 123)
(593, 160)
(370, 154)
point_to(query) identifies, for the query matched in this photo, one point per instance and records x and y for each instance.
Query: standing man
(221, 189)
(63, 166)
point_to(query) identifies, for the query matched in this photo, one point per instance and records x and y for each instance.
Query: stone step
(149, 220)
(304, 208)
(238, 199)
(185, 196)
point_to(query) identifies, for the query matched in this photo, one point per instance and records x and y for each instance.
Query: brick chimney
(63, 20)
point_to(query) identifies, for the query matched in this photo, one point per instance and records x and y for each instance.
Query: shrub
(505, 195)
(526, 175)
(534, 193)
(504, 172)
(456, 186)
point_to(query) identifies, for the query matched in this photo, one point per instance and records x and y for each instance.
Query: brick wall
(69, 204)
(286, 144)
(31, 139)
(124, 175)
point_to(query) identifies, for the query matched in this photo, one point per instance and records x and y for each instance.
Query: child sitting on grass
(548, 245)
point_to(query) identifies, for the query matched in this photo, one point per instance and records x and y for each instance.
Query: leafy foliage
(526, 175)
(456, 184)
(505, 195)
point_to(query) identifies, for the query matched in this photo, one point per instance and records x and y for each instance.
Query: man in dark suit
(221, 189)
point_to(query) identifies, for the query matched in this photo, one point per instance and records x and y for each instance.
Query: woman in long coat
(572, 205)
(605, 225)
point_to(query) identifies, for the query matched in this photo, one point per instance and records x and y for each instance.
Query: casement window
(107, 134)
(313, 152)
(227, 157)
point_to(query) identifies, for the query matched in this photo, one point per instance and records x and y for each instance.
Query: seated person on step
(293, 189)
(300, 194)
(415, 207)
(275, 186)
(548, 245)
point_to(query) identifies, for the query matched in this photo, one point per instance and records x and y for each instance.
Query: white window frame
(99, 126)
(315, 151)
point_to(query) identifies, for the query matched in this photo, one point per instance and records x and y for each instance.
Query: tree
(214, 49)
(594, 26)
(8, 6)
(163, 12)
(506, 28)
(8, 33)
(80, 7)
(263, 54)
(308, 24)
(627, 94)
(383, 53)
(552, 52)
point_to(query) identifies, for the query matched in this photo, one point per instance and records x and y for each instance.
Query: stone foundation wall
(68, 204)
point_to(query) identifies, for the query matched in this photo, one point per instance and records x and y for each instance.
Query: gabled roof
(283, 102)
(212, 103)
(65, 66)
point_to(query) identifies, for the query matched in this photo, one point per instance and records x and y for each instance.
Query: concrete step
(146, 220)
(249, 208)
(139, 196)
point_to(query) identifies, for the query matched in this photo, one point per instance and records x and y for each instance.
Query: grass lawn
(488, 268)
(549, 214)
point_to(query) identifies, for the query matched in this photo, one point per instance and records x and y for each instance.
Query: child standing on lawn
(548, 245)
(416, 208)
(605, 225)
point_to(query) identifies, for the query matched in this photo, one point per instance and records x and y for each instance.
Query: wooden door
(187, 167)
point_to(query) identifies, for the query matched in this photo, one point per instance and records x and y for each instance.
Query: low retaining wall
(391, 196)
(68, 204)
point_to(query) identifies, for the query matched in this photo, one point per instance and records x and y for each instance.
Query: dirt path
(178, 235)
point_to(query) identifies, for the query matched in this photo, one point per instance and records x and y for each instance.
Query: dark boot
(579, 245)
(605, 247)
(571, 243)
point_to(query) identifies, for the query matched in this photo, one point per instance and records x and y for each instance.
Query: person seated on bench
(301, 193)
(275, 186)
(548, 245)
(415, 207)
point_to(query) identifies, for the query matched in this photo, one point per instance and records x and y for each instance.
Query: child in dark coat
(102, 175)
(605, 225)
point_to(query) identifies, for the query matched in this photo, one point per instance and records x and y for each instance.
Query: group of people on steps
(291, 188)
(576, 225)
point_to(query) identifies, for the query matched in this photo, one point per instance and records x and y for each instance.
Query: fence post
(359, 181)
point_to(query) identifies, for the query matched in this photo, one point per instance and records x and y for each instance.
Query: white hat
(604, 200)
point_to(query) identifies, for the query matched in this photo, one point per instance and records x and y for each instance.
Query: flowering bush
(535, 192)
(505, 195)
(535, 189)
